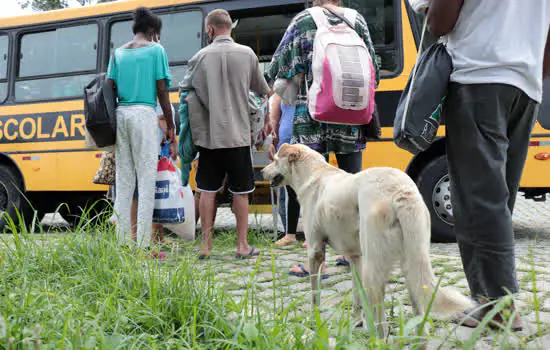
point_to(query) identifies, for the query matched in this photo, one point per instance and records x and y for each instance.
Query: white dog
(376, 217)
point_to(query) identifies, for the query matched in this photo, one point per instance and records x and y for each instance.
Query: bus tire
(434, 185)
(12, 199)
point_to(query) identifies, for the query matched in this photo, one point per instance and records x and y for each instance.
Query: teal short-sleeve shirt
(136, 71)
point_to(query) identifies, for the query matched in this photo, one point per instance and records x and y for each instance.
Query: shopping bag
(169, 195)
(419, 110)
(186, 229)
(105, 175)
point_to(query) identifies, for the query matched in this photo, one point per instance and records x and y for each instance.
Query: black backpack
(100, 111)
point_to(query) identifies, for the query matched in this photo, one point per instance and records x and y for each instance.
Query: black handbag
(100, 111)
(420, 107)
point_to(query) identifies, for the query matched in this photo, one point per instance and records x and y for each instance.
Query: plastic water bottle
(267, 143)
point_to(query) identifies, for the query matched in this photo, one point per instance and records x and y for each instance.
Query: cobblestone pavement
(532, 226)
(270, 280)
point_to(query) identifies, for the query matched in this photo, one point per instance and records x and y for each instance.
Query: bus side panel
(535, 173)
(39, 171)
(80, 168)
(385, 154)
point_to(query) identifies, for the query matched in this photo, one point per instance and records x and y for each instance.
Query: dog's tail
(414, 219)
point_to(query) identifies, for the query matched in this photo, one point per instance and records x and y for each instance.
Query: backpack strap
(319, 17)
(351, 16)
(343, 17)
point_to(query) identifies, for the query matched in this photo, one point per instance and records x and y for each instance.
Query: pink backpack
(343, 74)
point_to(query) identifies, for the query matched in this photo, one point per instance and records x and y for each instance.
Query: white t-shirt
(501, 41)
(160, 112)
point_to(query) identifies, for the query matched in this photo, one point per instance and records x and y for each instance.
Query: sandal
(285, 241)
(253, 252)
(158, 255)
(152, 254)
(343, 261)
(305, 273)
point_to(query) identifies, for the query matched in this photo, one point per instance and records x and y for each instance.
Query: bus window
(181, 37)
(382, 18)
(263, 31)
(121, 33)
(4, 46)
(56, 63)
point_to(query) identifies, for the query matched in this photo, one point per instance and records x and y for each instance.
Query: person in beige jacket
(221, 76)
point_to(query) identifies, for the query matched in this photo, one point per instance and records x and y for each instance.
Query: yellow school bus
(47, 58)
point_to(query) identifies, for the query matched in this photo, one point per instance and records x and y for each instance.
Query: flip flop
(283, 242)
(305, 273)
(251, 254)
(342, 262)
(153, 254)
(204, 257)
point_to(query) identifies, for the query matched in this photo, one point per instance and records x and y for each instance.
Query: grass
(80, 290)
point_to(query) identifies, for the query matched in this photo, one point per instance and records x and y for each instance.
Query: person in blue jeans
(281, 120)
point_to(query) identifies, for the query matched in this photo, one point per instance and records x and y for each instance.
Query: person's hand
(268, 128)
(275, 139)
(163, 126)
(170, 135)
(173, 150)
(275, 133)
(271, 153)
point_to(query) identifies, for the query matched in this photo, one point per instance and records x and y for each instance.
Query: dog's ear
(290, 152)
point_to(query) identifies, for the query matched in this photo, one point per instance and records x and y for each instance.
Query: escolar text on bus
(44, 127)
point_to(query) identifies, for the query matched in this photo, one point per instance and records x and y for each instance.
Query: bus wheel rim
(441, 200)
(4, 199)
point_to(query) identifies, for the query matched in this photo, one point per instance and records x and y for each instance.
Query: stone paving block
(343, 287)
(293, 258)
(543, 316)
(484, 344)
(541, 343)
(529, 330)
(265, 277)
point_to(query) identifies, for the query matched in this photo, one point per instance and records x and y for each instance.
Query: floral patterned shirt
(294, 56)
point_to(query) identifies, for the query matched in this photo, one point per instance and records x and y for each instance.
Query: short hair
(220, 19)
(144, 20)
(324, 2)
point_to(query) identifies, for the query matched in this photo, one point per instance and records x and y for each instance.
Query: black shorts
(215, 164)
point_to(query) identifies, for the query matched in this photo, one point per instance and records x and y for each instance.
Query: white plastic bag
(186, 230)
(169, 196)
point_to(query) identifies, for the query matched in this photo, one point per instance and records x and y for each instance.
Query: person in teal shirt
(140, 74)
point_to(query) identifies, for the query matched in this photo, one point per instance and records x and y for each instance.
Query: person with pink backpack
(326, 58)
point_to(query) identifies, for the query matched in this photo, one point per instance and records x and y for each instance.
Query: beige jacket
(221, 75)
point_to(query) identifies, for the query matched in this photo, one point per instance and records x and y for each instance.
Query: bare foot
(304, 245)
(206, 248)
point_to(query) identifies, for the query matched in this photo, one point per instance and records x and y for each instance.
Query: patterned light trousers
(137, 150)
